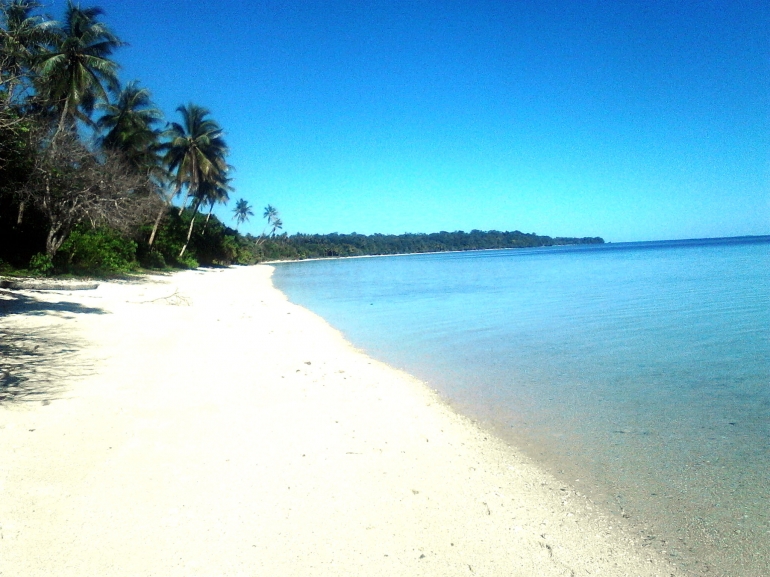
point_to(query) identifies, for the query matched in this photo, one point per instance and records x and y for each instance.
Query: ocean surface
(637, 372)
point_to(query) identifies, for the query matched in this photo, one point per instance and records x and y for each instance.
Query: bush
(154, 259)
(97, 251)
(41, 264)
(187, 261)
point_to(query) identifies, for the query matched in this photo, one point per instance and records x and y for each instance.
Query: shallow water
(638, 372)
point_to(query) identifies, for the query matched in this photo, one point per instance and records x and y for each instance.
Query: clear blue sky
(626, 119)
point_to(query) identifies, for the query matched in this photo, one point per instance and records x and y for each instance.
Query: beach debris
(47, 284)
(174, 299)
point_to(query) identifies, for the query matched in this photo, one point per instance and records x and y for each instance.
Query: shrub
(187, 261)
(97, 251)
(154, 259)
(41, 264)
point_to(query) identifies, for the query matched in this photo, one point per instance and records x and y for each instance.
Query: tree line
(89, 168)
(302, 246)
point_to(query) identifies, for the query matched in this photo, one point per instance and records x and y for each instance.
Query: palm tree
(273, 222)
(196, 150)
(213, 194)
(210, 191)
(195, 153)
(277, 225)
(242, 212)
(77, 72)
(129, 125)
(23, 36)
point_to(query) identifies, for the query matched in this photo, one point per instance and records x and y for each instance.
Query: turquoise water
(639, 372)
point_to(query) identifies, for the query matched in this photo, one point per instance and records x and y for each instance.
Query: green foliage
(211, 243)
(41, 264)
(187, 260)
(53, 75)
(171, 234)
(77, 71)
(242, 211)
(301, 246)
(98, 251)
(153, 259)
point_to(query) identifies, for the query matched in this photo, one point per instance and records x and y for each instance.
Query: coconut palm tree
(209, 191)
(273, 222)
(196, 156)
(196, 150)
(129, 123)
(195, 153)
(213, 194)
(77, 71)
(242, 212)
(23, 36)
(277, 225)
(270, 214)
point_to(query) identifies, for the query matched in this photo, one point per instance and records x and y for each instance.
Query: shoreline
(207, 426)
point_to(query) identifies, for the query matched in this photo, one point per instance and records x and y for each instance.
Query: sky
(627, 120)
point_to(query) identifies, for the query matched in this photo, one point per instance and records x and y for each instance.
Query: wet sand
(201, 425)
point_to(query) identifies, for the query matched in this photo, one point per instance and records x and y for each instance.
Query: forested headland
(95, 180)
(302, 246)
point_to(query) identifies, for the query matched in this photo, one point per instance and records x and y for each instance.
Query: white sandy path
(242, 435)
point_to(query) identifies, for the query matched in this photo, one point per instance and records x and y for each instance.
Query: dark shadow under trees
(35, 364)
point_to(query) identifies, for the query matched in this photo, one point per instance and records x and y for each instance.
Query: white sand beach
(199, 424)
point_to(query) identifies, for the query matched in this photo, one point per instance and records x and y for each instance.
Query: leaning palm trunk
(190, 229)
(156, 225)
(161, 212)
(208, 216)
(184, 202)
(192, 186)
(61, 123)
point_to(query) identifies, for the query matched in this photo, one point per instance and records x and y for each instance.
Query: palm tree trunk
(161, 212)
(208, 216)
(190, 230)
(155, 226)
(60, 127)
(184, 202)
(192, 186)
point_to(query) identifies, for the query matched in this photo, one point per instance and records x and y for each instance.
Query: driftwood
(46, 284)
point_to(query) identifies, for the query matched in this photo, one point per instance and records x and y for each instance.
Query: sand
(199, 424)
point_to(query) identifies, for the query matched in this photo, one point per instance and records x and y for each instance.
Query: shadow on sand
(36, 363)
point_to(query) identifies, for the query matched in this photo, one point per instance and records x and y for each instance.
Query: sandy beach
(199, 424)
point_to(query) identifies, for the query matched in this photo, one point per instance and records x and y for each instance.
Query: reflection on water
(639, 372)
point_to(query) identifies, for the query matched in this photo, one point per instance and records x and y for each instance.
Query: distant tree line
(302, 246)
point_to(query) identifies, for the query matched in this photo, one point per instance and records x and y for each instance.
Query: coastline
(207, 426)
(284, 261)
(749, 238)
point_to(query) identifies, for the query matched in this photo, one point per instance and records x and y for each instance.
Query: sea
(639, 373)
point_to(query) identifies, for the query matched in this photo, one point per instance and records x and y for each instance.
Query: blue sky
(628, 120)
